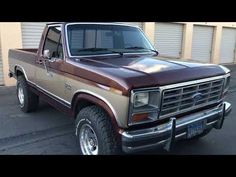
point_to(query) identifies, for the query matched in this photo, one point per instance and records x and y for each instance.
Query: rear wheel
(95, 133)
(27, 99)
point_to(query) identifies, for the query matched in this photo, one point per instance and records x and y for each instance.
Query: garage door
(1, 68)
(228, 45)
(139, 24)
(31, 34)
(202, 43)
(168, 39)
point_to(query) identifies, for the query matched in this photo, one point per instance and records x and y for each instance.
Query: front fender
(80, 97)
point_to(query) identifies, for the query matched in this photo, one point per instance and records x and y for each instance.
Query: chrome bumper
(175, 129)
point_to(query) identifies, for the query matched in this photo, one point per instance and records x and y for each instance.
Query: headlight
(144, 106)
(141, 99)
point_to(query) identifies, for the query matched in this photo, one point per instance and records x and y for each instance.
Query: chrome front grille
(182, 99)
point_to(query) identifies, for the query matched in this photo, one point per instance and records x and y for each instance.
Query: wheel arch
(85, 98)
(19, 71)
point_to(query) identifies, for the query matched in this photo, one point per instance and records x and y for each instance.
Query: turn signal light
(140, 117)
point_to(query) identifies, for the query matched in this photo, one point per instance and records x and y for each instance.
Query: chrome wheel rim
(88, 140)
(21, 96)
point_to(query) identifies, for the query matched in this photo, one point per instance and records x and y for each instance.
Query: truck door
(49, 77)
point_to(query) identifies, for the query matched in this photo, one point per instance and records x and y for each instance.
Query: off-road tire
(31, 100)
(102, 126)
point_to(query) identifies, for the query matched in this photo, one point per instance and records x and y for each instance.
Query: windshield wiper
(141, 48)
(99, 49)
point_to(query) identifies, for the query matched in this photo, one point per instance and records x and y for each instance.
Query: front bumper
(175, 129)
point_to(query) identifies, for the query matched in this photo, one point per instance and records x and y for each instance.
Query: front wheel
(95, 133)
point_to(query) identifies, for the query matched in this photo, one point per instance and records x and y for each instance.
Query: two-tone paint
(105, 80)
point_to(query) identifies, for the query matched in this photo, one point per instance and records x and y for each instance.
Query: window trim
(94, 55)
(60, 38)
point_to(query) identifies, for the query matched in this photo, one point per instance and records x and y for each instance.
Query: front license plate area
(195, 128)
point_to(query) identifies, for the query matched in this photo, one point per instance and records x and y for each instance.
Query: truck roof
(99, 23)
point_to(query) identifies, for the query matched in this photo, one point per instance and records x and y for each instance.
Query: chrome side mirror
(46, 54)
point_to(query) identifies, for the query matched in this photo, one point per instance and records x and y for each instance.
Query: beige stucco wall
(187, 41)
(149, 30)
(10, 38)
(216, 43)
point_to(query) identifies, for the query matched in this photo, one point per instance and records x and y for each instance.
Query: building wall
(188, 34)
(11, 37)
(216, 38)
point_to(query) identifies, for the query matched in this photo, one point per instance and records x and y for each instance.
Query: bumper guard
(166, 134)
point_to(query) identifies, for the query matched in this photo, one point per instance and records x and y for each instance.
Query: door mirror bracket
(46, 54)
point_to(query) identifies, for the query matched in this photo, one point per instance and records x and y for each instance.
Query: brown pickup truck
(122, 95)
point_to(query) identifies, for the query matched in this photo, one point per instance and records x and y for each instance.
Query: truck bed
(22, 57)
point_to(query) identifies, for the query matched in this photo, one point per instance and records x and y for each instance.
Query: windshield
(93, 39)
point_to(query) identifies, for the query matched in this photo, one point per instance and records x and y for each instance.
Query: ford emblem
(197, 96)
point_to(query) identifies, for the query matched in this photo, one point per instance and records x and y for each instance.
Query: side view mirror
(46, 54)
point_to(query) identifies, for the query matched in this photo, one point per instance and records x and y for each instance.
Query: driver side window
(53, 42)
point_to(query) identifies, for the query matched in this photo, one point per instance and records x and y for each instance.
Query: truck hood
(143, 71)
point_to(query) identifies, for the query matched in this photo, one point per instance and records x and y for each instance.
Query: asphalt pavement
(50, 132)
